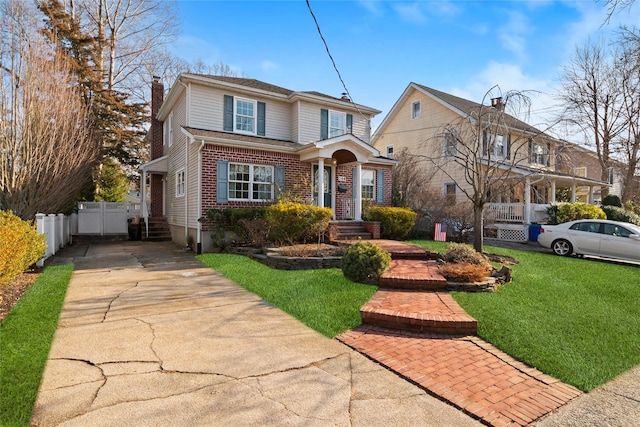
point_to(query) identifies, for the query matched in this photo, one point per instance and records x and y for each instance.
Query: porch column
(573, 192)
(320, 183)
(553, 191)
(527, 201)
(358, 196)
(590, 201)
(334, 177)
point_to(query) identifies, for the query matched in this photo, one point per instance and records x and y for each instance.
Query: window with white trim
(610, 176)
(389, 149)
(180, 183)
(496, 145)
(539, 154)
(416, 109)
(245, 115)
(450, 145)
(250, 182)
(368, 182)
(168, 130)
(449, 191)
(337, 123)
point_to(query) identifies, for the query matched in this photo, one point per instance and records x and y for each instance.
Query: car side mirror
(634, 236)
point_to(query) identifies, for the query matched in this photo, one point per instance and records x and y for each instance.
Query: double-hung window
(250, 182)
(180, 183)
(538, 153)
(245, 116)
(416, 110)
(368, 182)
(336, 123)
(496, 145)
(450, 145)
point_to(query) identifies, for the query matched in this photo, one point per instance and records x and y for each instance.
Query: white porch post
(590, 201)
(573, 192)
(320, 183)
(334, 170)
(358, 195)
(553, 191)
(527, 201)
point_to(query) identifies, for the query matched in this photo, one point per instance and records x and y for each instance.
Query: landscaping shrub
(615, 213)
(464, 272)
(459, 253)
(571, 211)
(365, 262)
(236, 215)
(20, 246)
(395, 223)
(611, 200)
(632, 206)
(292, 223)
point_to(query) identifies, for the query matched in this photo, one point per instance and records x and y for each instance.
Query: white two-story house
(225, 142)
(420, 122)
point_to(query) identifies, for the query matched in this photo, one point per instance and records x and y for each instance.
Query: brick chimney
(497, 103)
(157, 98)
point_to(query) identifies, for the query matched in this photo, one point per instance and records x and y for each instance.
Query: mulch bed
(10, 294)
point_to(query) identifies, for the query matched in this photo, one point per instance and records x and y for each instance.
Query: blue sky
(460, 47)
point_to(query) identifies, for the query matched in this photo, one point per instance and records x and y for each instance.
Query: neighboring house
(418, 124)
(227, 142)
(581, 161)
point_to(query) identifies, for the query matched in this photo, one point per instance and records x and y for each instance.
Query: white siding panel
(175, 205)
(278, 119)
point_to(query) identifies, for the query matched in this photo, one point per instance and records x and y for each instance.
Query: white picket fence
(57, 229)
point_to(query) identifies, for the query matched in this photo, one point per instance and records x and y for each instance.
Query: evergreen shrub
(395, 223)
(364, 262)
(20, 246)
(291, 222)
(571, 211)
(615, 213)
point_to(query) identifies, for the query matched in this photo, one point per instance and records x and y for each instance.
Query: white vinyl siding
(207, 112)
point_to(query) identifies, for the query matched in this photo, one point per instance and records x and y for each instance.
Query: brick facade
(297, 176)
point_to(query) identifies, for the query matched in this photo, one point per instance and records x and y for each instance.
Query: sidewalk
(148, 336)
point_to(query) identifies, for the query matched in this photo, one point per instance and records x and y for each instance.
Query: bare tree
(47, 150)
(594, 102)
(486, 146)
(628, 145)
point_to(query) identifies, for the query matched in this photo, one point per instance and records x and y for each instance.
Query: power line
(335, 67)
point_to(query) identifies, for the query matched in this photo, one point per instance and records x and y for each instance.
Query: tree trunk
(478, 228)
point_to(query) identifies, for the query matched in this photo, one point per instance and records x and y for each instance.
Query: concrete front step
(432, 312)
(413, 274)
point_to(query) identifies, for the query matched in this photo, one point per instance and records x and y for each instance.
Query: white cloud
(512, 33)
(191, 48)
(373, 6)
(411, 12)
(268, 66)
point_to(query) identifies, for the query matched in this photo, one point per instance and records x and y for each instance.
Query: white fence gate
(102, 218)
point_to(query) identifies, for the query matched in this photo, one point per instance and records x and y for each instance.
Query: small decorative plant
(365, 262)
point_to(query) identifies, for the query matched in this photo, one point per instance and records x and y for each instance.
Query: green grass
(321, 299)
(25, 337)
(575, 319)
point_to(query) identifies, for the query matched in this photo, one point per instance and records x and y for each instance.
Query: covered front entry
(327, 186)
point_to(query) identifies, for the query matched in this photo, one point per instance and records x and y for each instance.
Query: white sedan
(597, 237)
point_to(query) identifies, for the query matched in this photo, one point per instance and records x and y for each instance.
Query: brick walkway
(413, 327)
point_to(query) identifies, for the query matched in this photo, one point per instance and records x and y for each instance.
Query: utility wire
(335, 67)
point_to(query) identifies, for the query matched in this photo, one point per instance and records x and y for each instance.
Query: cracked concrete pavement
(148, 336)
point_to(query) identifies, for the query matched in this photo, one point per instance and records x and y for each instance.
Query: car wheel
(562, 247)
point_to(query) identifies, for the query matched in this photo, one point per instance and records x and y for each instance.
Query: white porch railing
(515, 212)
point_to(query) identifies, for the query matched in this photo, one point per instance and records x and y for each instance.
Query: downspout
(186, 193)
(199, 232)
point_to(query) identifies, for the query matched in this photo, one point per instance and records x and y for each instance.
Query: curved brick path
(426, 337)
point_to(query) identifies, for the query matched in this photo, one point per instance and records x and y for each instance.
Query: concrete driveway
(148, 336)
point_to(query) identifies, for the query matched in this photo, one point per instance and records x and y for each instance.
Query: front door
(328, 185)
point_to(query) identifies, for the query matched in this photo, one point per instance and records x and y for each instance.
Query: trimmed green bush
(632, 206)
(292, 223)
(615, 213)
(571, 211)
(236, 215)
(20, 246)
(611, 200)
(395, 223)
(365, 262)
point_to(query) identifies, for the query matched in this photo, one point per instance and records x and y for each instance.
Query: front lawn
(25, 337)
(321, 299)
(575, 319)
